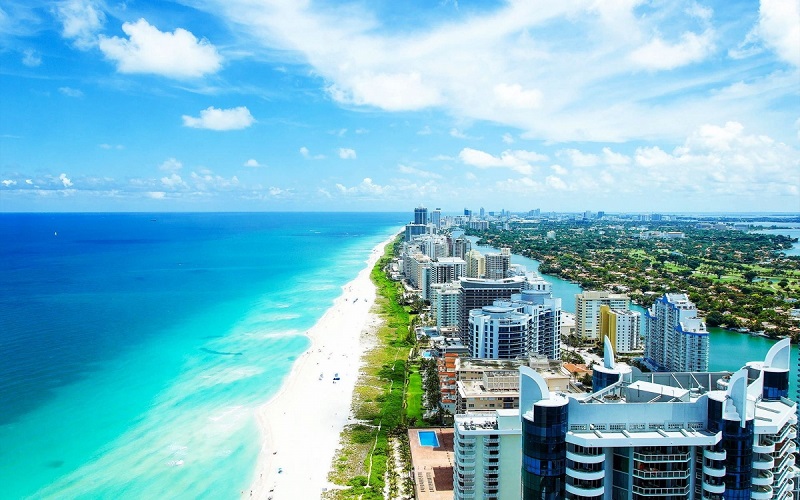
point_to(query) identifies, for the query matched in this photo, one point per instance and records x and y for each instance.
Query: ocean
(134, 348)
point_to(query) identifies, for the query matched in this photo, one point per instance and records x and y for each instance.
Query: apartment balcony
(712, 496)
(587, 475)
(491, 441)
(585, 492)
(714, 472)
(717, 489)
(763, 478)
(586, 459)
(661, 457)
(765, 446)
(761, 493)
(714, 455)
(656, 474)
(763, 461)
(660, 492)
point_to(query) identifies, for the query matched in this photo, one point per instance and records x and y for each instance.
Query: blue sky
(574, 105)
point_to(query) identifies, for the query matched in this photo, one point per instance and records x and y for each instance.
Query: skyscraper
(420, 215)
(476, 293)
(675, 338)
(436, 218)
(671, 436)
(622, 328)
(497, 264)
(587, 310)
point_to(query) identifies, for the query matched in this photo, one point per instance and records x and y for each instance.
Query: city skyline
(251, 105)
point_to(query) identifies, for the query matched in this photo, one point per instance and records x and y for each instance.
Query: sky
(383, 105)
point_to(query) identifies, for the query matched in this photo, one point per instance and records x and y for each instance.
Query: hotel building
(671, 436)
(587, 310)
(477, 292)
(675, 338)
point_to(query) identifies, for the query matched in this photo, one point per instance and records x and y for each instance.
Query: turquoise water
(428, 438)
(792, 230)
(729, 350)
(136, 347)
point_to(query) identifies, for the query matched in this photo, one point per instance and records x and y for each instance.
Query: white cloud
(390, 91)
(220, 119)
(276, 191)
(508, 138)
(454, 132)
(31, 58)
(779, 28)
(65, 181)
(111, 146)
(612, 158)
(70, 92)
(660, 55)
(517, 160)
(147, 50)
(578, 159)
(252, 162)
(418, 172)
(512, 64)
(171, 165)
(305, 153)
(156, 195)
(514, 96)
(426, 130)
(81, 21)
(347, 154)
(8, 182)
(174, 181)
(365, 188)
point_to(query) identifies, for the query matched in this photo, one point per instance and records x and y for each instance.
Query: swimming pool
(428, 438)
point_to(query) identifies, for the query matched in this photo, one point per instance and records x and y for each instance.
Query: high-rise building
(497, 264)
(671, 436)
(622, 327)
(675, 338)
(527, 324)
(444, 304)
(460, 247)
(587, 310)
(413, 230)
(483, 213)
(484, 444)
(436, 218)
(421, 215)
(444, 270)
(478, 292)
(476, 264)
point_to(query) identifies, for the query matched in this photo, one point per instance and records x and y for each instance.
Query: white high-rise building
(587, 310)
(444, 304)
(497, 264)
(622, 327)
(675, 338)
(476, 264)
(670, 436)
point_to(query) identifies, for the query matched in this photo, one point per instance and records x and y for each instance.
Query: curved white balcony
(763, 478)
(714, 488)
(586, 459)
(579, 474)
(714, 455)
(761, 493)
(764, 448)
(714, 472)
(762, 461)
(585, 492)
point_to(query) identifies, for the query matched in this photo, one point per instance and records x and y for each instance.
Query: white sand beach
(300, 426)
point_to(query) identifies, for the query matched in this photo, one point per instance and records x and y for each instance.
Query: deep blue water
(120, 332)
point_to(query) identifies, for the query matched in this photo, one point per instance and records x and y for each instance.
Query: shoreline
(300, 426)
